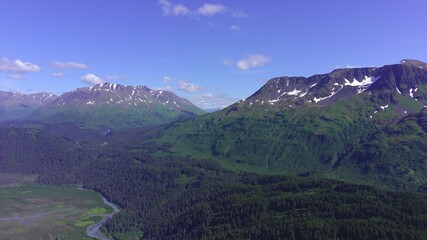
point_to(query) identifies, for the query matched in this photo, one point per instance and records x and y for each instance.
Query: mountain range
(106, 106)
(14, 105)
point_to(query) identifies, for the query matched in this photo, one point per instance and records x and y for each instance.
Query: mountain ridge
(116, 106)
(15, 105)
(342, 83)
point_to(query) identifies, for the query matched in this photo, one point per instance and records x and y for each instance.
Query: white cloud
(188, 86)
(167, 79)
(17, 66)
(69, 65)
(240, 14)
(211, 9)
(170, 9)
(57, 75)
(252, 61)
(206, 10)
(227, 61)
(235, 28)
(350, 66)
(213, 101)
(91, 79)
(165, 88)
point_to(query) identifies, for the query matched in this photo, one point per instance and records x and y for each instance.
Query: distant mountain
(116, 106)
(366, 125)
(14, 105)
(211, 110)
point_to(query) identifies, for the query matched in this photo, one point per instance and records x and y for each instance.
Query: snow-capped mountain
(116, 105)
(408, 79)
(14, 105)
(124, 96)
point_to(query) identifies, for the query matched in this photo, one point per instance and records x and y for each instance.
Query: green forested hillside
(185, 198)
(339, 140)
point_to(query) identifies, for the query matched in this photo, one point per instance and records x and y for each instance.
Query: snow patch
(303, 94)
(397, 89)
(90, 103)
(294, 92)
(384, 107)
(323, 98)
(366, 81)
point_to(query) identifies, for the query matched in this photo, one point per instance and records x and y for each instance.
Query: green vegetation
(339, 141)
(219, 204)
(33, 211)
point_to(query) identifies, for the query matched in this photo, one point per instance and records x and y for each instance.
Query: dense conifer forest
(185, 198)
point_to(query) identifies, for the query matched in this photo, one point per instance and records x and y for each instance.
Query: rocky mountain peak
(412, 62)
(405, 79)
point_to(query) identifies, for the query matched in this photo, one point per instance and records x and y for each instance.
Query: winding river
(93, 230)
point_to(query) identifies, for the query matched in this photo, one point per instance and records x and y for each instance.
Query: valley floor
(33, 211)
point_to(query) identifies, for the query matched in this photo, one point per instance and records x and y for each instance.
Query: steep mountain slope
(116, 106)
(14, 105)
(363, 124)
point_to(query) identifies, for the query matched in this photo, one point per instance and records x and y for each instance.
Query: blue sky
(210, 52)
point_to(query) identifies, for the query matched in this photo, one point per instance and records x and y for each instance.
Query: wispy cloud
(166, 79)
(165, 88)
(252, 61)
(91, 79)
(205, 10)
(347, 66)
(228, 61)
(212, 101)
(15, 68)
(211, 9)
(16, 76)
(188, 86)
(57, 75)
(170, 9)
(240, 14)
(235, 28)
(69, 65)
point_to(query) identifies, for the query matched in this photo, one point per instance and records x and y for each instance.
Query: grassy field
(32, 211)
